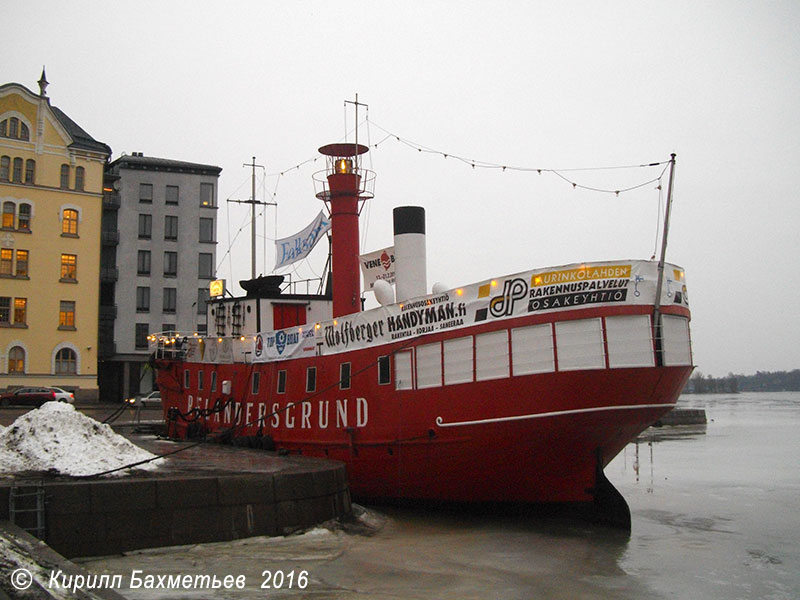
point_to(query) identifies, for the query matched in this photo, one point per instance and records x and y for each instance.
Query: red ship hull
(530, 438)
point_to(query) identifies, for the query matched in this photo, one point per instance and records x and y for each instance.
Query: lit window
(66, 314)
(69, 223)
(16, 360)
(207, 194)
(20, 311)
(69, 267)
(24, 221)
(22, 263)
(9, 210)
(6, 259)
(66, 362)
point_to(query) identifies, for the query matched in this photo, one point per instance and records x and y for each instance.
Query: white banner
(377, 265)
(300, 245)
(534, 292)
(284, 343)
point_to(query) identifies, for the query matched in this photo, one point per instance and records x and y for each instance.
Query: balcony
(110, 238)
(111, 200)
(109, 274)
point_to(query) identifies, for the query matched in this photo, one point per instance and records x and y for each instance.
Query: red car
(32, 396)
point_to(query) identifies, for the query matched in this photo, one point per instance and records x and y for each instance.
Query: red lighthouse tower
(344, 187)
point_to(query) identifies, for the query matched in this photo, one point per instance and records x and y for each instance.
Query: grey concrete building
(158, 257)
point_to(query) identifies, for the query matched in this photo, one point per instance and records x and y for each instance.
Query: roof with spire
(80, 139)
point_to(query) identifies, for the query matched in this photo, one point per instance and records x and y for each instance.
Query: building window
(206, 230)
(69, 222)
(143, 262)
(66, 362)
(20, 311)
(145, 226)
(5, 310)
(171, 194)
(6, 260)
(213, 381)
(170, 264)
(142, 299)
(202, 299)
(18, 170)
(205, 266)
(169, 328)
(66, 314)
(14, 128)
(200, 378)
(141, 335)
(9, 212)
(256, 383)
(30, 171)
(80, 178)
(146, 193)
(16, 360)
(170, 227)
(24, 220)
(207, 194)
(64, 177)
(344, 376)
(170, 300)
(5, 167)
(22, 263)
(69, 267)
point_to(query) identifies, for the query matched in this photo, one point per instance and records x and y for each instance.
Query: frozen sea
(715, 514)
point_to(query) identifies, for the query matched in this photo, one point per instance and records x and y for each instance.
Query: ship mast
(252, 202)
(661, 261)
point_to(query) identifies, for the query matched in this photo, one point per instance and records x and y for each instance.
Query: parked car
(29, 396)
(63, 395)
(151, 399)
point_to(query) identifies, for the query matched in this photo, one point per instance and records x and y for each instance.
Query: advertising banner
(283, 344)
(377, 265)
(300, 245)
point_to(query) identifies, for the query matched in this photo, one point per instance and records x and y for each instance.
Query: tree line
(762, 381)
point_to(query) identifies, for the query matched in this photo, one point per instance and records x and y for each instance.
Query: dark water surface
(716, 514)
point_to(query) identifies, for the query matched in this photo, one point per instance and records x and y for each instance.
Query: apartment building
(159, 228)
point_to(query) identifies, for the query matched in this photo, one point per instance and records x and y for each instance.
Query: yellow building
(51, 187)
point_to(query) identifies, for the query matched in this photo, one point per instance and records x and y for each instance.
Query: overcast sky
(529, 84)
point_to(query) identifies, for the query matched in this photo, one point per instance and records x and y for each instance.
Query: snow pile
(59, 439)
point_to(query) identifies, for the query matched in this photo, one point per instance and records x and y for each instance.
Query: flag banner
(377, 265)
(298, 246)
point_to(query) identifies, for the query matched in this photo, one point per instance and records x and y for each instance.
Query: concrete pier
(208, 493)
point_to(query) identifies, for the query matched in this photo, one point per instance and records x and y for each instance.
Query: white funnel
(409, 252)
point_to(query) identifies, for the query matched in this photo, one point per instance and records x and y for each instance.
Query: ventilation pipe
(409, 252)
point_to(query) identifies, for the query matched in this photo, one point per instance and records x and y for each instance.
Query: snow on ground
(60, 439)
